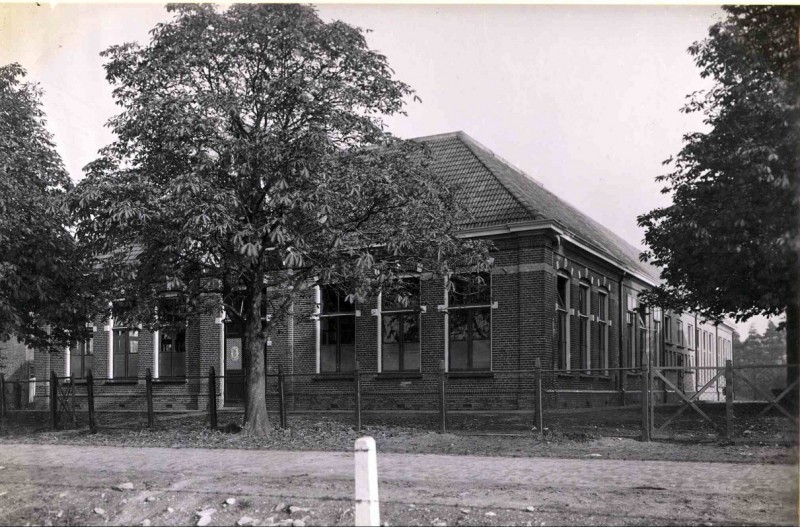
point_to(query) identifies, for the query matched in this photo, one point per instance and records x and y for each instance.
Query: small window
(334, 301)
(404, 297)
(470, 290)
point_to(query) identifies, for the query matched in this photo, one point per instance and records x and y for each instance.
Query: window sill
(567, 374)
(333, 377)
(470, 375)
(398, 375)
(169, 381)
(122, 381)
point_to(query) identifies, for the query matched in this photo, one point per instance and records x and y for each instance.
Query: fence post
(281, 398)
(212, 398)
(148, 384)
(729, 429)
(442, 398)
(72, 400)
(90, 400)
(539, 402)
(367, 503)
(18, 395)
(357, 382)
(645, 401)
(53, 400)
(2, 396)
(624, 383)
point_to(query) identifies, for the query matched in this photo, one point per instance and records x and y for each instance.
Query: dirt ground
(69, 485)
(314, 432)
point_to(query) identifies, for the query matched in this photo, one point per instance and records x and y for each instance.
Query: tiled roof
(498, 193)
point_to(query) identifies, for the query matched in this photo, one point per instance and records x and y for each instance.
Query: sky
(585, 99)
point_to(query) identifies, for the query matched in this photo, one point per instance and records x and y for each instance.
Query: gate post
(357, 386)
(645, 401)
(53, 400)
(148, 384)
(72, 400)
(367, 506)
(442, 398)
(212, 398)
(281, 398)
(729, 430)
(539, 403)
(90, 400)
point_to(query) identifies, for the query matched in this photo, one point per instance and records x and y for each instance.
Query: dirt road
(66, 484)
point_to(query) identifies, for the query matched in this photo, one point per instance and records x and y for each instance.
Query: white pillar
(367, 504)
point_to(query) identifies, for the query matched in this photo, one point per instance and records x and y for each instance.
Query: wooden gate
(62, 400)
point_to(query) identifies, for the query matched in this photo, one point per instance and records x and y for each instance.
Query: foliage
(727, 242)
(251, 164)
(768, 348)
(40, 300)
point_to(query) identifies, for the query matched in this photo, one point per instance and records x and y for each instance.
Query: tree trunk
(256, 421)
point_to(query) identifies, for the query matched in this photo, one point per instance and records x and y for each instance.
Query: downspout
(621, 329)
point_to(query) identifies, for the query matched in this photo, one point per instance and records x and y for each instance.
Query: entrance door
(234, 373)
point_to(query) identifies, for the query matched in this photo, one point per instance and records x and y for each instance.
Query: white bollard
(367, 504)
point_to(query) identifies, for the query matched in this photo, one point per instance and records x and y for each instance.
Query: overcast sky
(585, 99)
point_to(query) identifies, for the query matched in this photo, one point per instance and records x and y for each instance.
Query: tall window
(337, 331)
(562, 321)
(680, 332)
(81, 356)
(659, 354)
(470, 321)
(172, 339)
(690, 336)
(602, 329)
(126, 353)
(583, 326)
(668, 329)
(400, 328)
(631, 331)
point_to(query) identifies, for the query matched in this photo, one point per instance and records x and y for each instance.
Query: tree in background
(252, 164)
(728, 243)
(41, 301)
(769, 348)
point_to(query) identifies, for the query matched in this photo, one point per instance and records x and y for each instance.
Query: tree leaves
(726, 243)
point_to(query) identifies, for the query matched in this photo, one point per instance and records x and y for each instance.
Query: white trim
(613, 261)
(67, 366)
(111, 347)
(156, 351)
(380, 332)
(317, 326)
(522, 226)
(221, 372)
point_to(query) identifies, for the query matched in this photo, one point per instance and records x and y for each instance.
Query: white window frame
(317, 316)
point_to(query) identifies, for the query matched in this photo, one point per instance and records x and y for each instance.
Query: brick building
(563, 290)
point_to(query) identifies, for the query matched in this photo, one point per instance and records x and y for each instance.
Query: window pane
(468, 290)
(411, 356)
(88, 365)
(75, 365)
(410, 328)
(179, 365)
(458, 324)
(328, 331)
(391, 357)
(133, 365)
(408, 289)
(327, 358)
(481, 355)
(330, 299)
(458, 355)
(347, 329)
(601, 306)
(481, 326)
(165, 365)
(391, 328)
(348, 357)
(561, 338)
(561, 291)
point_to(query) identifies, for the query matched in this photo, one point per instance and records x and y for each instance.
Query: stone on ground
(246, 520)
(490, 513)
(530, 508)
(145, 523)
(230, 501)
(294, 509)
(98, 510)
(123, 486)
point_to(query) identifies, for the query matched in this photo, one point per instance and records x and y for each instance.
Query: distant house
(563, 291)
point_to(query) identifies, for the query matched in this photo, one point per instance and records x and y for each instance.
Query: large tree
(41, 301)
(728, 243)
(251, 164)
